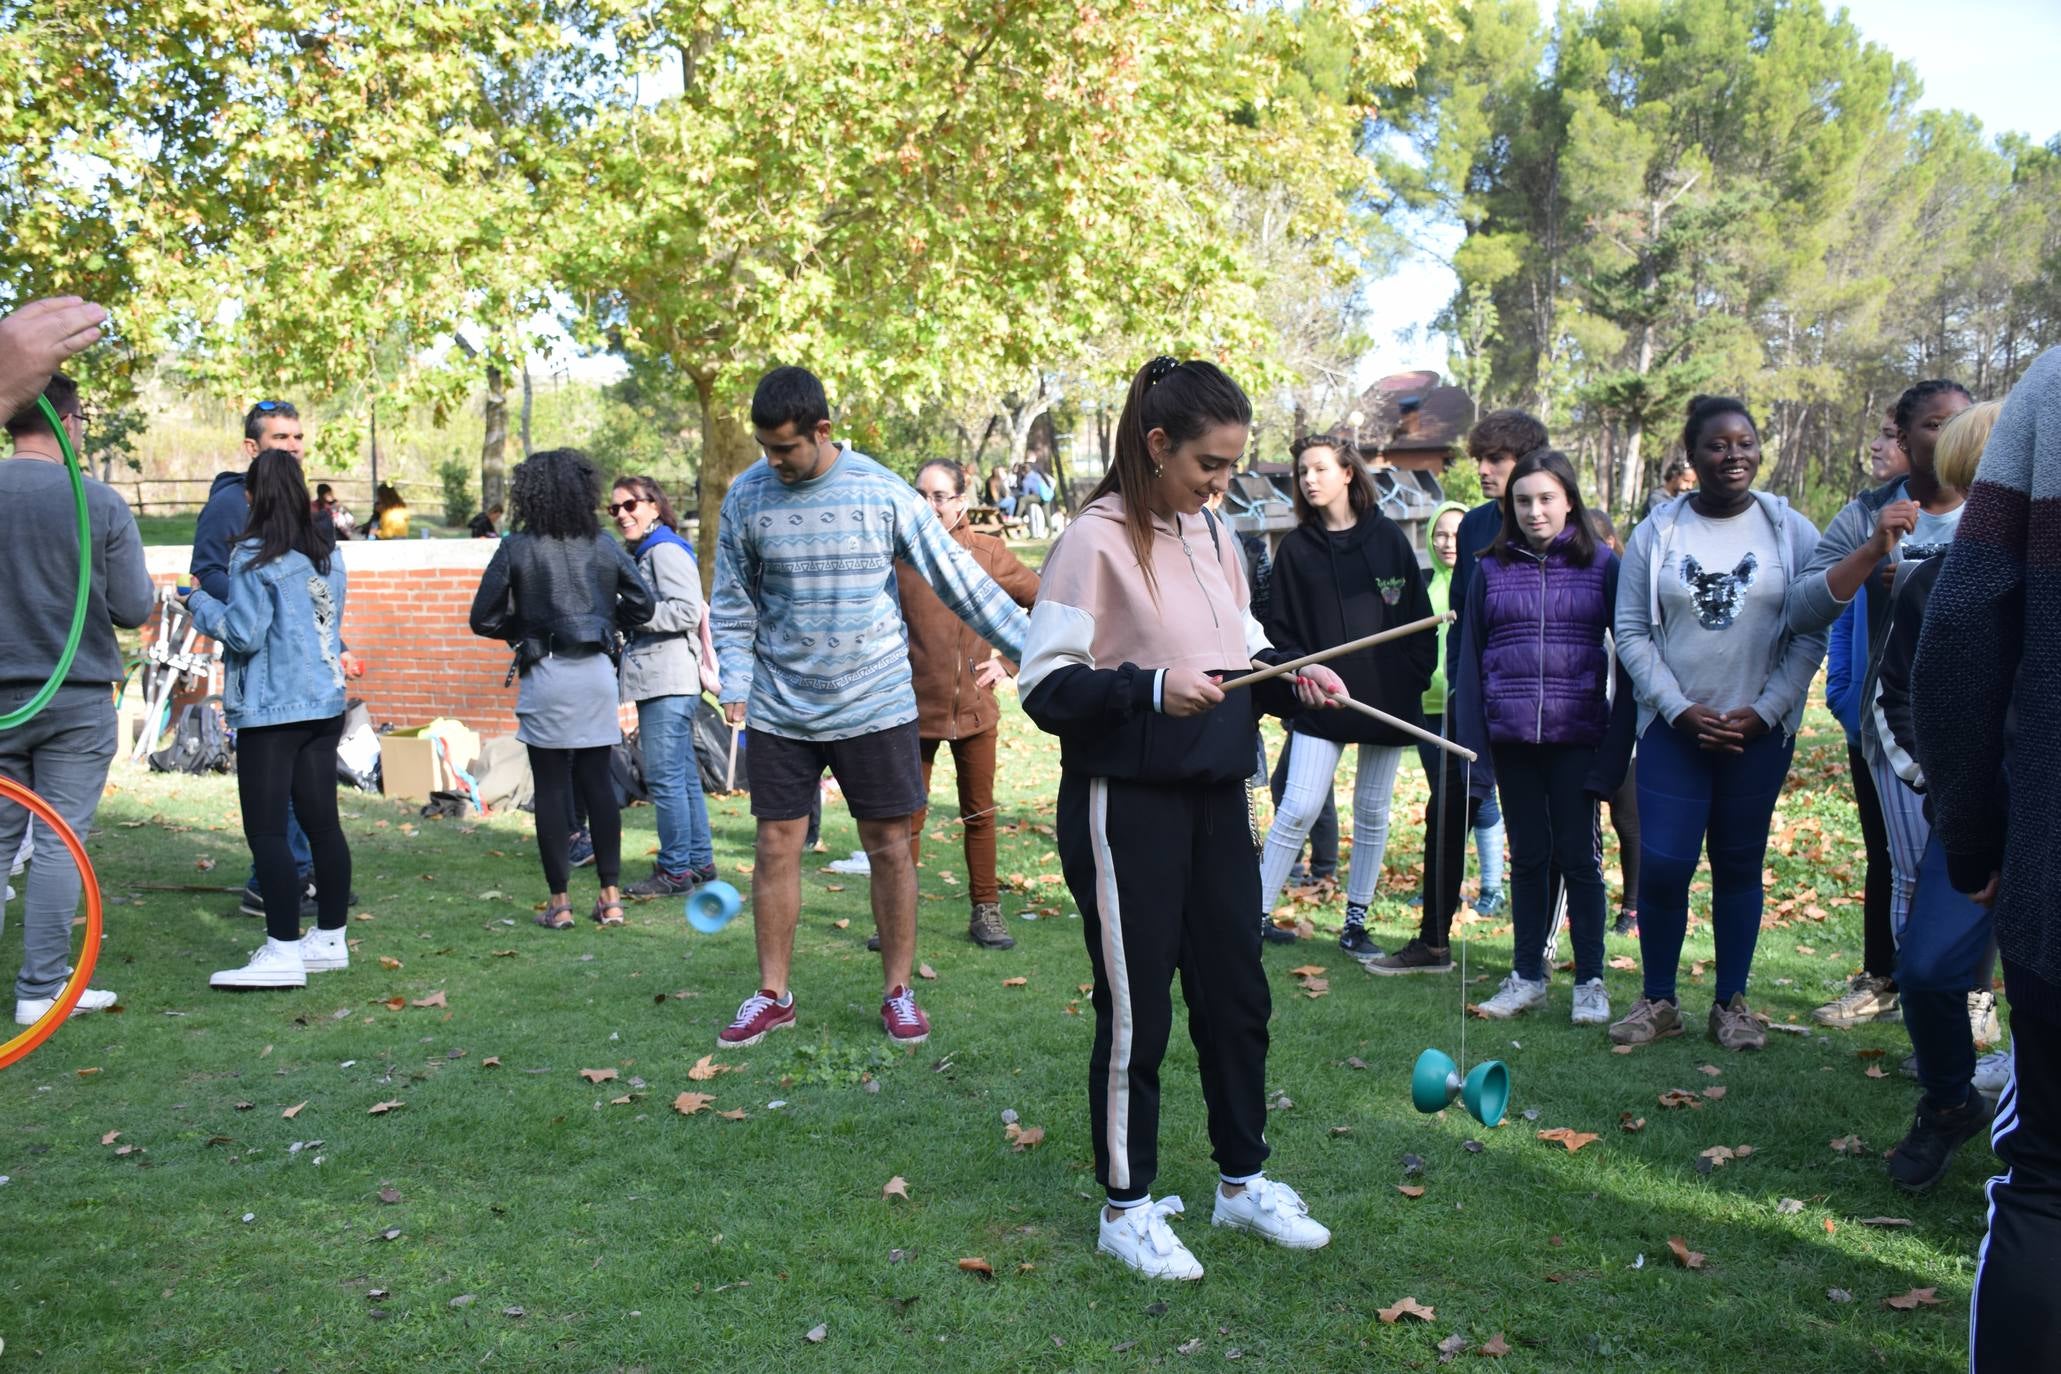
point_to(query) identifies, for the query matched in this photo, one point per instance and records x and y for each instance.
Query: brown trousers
(973, 759)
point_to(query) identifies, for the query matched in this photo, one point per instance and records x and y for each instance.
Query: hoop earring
(1158, 470)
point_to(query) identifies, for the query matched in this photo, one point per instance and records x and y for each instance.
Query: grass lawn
(199, 1183)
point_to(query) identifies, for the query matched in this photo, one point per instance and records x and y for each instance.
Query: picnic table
(991, 520)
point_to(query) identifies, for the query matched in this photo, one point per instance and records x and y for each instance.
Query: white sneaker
(1514, 997)
(1141, 1238)
(1591, 1004)
(1273, 1210)
(324, 950)
(1992, 1074)
(277, 964)
(858, 864)
(1982, 1019)
(29, 1010)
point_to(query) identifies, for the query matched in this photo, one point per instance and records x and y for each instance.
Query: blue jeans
(296, 845)
(1945, 942)
(665, 733)
(62, 754)
(1687, 796)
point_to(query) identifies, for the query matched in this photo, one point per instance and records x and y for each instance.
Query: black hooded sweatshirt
(1333, 586)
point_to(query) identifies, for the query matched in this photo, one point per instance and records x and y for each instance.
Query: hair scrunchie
(1158, 368)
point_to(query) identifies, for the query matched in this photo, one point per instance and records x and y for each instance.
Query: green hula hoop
(23, 714)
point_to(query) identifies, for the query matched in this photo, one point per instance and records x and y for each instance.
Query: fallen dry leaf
(895, 1187)
(842, 923)
(625, 1100)
(1717, 1155)
(1789, 1206)
(1714, 1093)
(382, 1108)
(1679, 1097)
(1014, 982)
(1627, 1122)
(1917, 1297)
(1408, 1307)
(1710, 1070)
(925, 971)
(1451, 1347)
(435, 999)
(1023, 1138)
(389, 1195)
(974, 1264)
(817, 1334)
(395, 1003)
(687, 1104)
(295, 1110)
(598, 1076)
(1572, 1139)
(1885, 1221)
(1624, 962)
(388, 962)
(1316, 987)
(706, 1068)
(85, 1073)
(492, 1061)
(1409, 1190)
(1307, 971)
(1495, 1347)
(1622, 1049)
(1684, 1256)
(111, 1137)
(734, 1114)
(1848, 1145)
(1873, 1071)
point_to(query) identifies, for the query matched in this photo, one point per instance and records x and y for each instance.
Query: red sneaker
(759, 1016)
(906, 1024)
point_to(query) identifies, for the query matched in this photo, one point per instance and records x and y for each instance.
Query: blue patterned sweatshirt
(806, 619)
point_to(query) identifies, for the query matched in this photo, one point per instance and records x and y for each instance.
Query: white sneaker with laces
(1982, 1019)
(1515, 997)
(277, 964)
(1273, 1210)
(858, 864)
(1992, 1073)
(1141, 1238)
(1591, 1004)
(29, 1010)
(323, 951)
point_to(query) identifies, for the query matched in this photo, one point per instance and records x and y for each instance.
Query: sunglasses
(617, 508)
(267, 407)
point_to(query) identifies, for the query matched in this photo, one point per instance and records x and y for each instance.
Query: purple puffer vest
(1544, 669)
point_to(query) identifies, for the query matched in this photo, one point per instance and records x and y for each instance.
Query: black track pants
(1167, 879)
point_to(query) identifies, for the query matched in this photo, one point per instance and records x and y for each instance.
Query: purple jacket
(1532, 665)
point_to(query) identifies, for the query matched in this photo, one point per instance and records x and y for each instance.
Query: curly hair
(555, 494)
(1505, 431)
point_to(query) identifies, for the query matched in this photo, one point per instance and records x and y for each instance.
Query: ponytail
(1181, 399)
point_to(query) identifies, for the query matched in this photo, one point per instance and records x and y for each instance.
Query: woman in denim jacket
(281, 631)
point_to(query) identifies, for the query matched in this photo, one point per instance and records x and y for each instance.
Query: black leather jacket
(559, 596)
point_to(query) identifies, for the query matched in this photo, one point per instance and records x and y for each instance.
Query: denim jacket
(281, 631)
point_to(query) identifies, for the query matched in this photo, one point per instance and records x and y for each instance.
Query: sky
(1994, 59)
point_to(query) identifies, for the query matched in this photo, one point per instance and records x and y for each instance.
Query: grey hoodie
(1792, 659)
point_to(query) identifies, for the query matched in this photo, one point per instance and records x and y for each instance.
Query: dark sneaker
(1276, 935)
(661, 884)
(704, 874)
(1415, 957)
(580, 850)
(253, 903)
(1627, 923)
(1734, 1026)
(1356, 941)
(760, 1015)
(986, 928)
(873, 942)
(1491, 903)
(1921, 1158)
(905, 1022)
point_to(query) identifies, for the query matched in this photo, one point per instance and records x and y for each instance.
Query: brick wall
(405, 615)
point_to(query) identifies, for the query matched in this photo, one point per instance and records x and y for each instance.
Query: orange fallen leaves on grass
(1307, 971)
(598, 1076)
(1408, 1307)
(974, 1264)
(1023, 1138)
(687, 1104)
(1409, 1190)
(1014, 982)
(295, 1110)
(706, 1068)
(1627, 1122)
(1679, 1097)
(1714, 1093)
(1495, 1347)
(1916, 1298)
(1684, 1256)
(734, 1114)
(895, 1187)
(382, 1108)
(1572, 1139)
(435, 999)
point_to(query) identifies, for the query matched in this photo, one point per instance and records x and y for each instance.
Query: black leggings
(1878, 943)
(297, 760)
(560, 776)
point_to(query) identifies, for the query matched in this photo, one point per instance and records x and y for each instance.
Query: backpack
(626, 767)
(712, 749)
(200, 741)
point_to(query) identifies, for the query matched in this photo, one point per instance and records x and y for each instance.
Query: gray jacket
(663, 656)
(1792, 659)
(1809, 602)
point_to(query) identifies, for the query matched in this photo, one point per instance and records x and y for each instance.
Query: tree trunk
(528, 400)
(1633, 475)
(375, 457)
(493, 450)
(727, 451)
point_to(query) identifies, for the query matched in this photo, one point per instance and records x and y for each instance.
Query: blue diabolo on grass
(710, 906)
(1435, 1081)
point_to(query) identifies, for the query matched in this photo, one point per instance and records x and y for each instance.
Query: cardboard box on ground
(420, 760)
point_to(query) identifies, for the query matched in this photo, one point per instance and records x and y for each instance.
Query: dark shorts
(881, 773)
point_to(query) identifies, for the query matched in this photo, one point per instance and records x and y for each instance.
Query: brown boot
(986, 928)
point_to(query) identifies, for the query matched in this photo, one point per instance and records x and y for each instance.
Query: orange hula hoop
(75, 987)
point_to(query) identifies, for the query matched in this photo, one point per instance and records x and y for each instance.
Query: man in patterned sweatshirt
(815, 661)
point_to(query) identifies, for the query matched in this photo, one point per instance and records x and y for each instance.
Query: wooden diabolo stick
(730, 777)
(1277, 669)
(1403, 725)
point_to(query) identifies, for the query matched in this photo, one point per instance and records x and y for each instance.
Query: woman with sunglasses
(557, 591)
(955, 673)
(661, 673)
